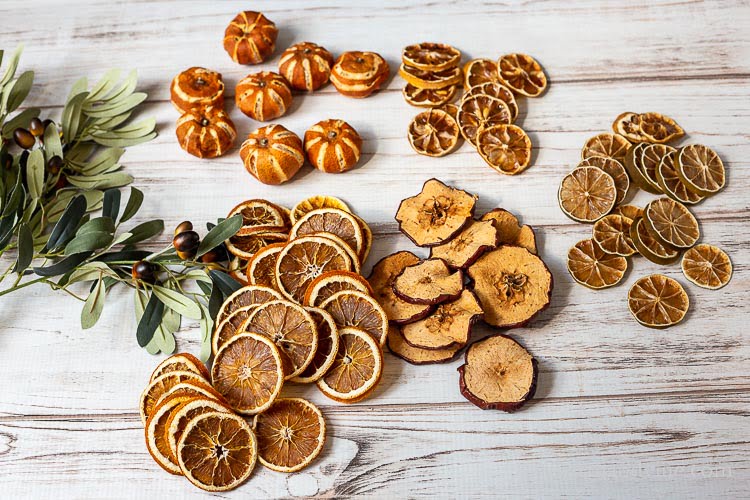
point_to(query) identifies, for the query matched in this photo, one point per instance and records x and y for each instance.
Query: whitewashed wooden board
(621, 411)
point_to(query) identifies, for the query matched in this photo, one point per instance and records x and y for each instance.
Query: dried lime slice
(612, 234)
(590, 266)
(701, 169)
(651, 158)
(670, 183)
(671, 222)
(633, 163)
(587, 194)
(615, 169)
(650, 247)
(658, 301)
(707, 266)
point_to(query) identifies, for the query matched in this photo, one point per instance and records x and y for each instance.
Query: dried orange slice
(184, 413)
(382, 277)
(328, 345)
(498, 90)
(628, 211)
(159, 386)
(306, 258)
(429, 98)
(650, 247)
(671, 222)
(193, 389)
(415, 355)
(291, 434)
(587, 194)
(291, 328)
(510, 231)
(479, 111)
(659, 128)
(248, 371)
(707, 266)
(468, 245)
(356, 370)
(237, 269)
(252, 295)
(451, 109)
(357, 309)
(480, 71)
(670, 182)
(330, 220)
(433, 133)
(658, 301)
(426, 79)
(505, 148)
(217, 451)
(701, 169)
(431, 56)
(522, 74)
(651, 157)
(590, 266)
(184, 362)
(156, 435)
(245, 247)
(261, 270)
(353, 255)
(449, 326)
(615, 170)
(607, 145)
(628, 125)
(315, 202)
(258, 214)
(367, 237)
(612, 234)
(231, 326)
(327, 284)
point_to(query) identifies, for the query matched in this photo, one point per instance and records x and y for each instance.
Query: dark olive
(36, 126)
(47, 123)
(186, 241)
(24, 138)
(144, 271)
(55, 164)
(182, 227)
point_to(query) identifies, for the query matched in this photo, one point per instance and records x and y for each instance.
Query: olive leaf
(52, 144)
(105, 85)
(71, 117)
(221, 232)
(149, 320)
(144, 231)
(10, 71)
(225, 283)
(90, 271)
(103, 162)
(101, 181)
(134, 204)
(92, 308)
(177, 302)
(35, 173)
(14, 95)
(88, 242)
(25, 249)
(62, 266)
(206, 327)
(97, 224)
(111, 208)
(68, 223)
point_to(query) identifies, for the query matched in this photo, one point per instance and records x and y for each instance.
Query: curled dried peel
(415, 355)
(707, 266)
(244, 247)
(468, 245)
(429, 282)
(505, 148)
(381, 279)
(510, 231)
(590, 266)
(426, 79)
(659, 128)
(657, 301)
(587, 194)
(447, 327)
(433, 133)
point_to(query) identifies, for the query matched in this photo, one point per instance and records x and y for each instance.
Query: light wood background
(621, 410)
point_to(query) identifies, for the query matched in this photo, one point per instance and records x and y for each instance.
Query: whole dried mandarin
(359, 74)
(272, 154)
(206, 132)
(306, 66)
(263, 96)
(333, 146)
(197, 87)
(250, 38)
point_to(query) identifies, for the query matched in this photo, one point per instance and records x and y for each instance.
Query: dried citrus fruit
(156, 435)
(429, 282)
(237, 269)
(306, 66)
(651, 157)
(628, 211)
(431, 56)
(633, 163)
(248, 372)
(253, 295)
(250, 38)
(659, 128)
(512, 284)
(258, 214)
(291, 328)
(328, 345)
(433, 133)
(670, 182)
(316, 202)
(498, 90)
(499, 374)
(205, 132)
(291, 434)
(359, 74)
(351, 252)
(612, 234)
(367, 239)
(468, 245)
(159, 386)
(217, 451)
(701, 169)
(590, 266)
(381, 279)
(261, 270)
(183, 414)
(429, 98)
(231, 326)
(522, 73)
(587, 194)
(480, 71)
(671, 222)
(333, 146)
(415, 355)
(357, 368)
(628, 125)
(449, 326)
(436, 214)
(197, 87)
(607, 145)
(451, 109)
(357, 309)
(245, 247)
(658, 301)
(615, 170)
(649, 246)
(330, 220)
(194, 389)
(306, 258)
(426, 79)
(479, 111)
(505, 148)
(707, 266)
(184, 362)
(327, 284)
(510, 231)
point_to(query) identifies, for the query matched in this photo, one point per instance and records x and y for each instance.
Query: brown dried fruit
(330, 220)
(587, 194)
(272, 154)
(259, 214)
(499, 374)
(633, 163)
(250, 38)
(449, 326)
(263, 96)
(333, 146)
(244, 247)
(431, 56)
(607, 145)
(670, 182)
(429, 282)
(436, 214)
(206, 132)
(261, 270)
(505, 148)
(244, 297)
(512, 284)
(197, 88)
(701, 169)
(657, 301)
(468, 245)
(628, 211)
(671, 223)
(497, 90)
(651, 157)
(381, 279)
(707, 266)
(330, 283)
(647, 127)
(649, 246)
(328, 346)
(351, 308)
(415, 355)
(433, 132)
(306, 66)
(480, 71)
(429, 98)
(612, 234)
(359, 74)
(479, 111)
(426, 79)
(522, 73)
(592, 267)
(510, 231)
(615, 170)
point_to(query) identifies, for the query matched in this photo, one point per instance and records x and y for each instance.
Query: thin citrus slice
(306, 258)
(158, 387)
(429, 98)
(479, 111)
(433, 133)
(351, 252)
(431, 56)
(415, 355)
(670, 182)
(367, 237)
(253, 295)
(510, 231)
(658, 301)
(426, 79)
(607, 145)
(480, 71)
(615, 170)
(449, 326)
(330, 220)
(194, 389)
(291, 434)
(451, 109)
(590, 266)
(258, 214)
(382, 277)
(217, 451)
(671, 222)
(587, 194)
(184, 413)
(248, 372)
(505, 148)
(651, 157)
(633, 163)
(659, 128)
(498, 90)
(261, 270)
(328, 345)
(356, 370)
(237, 269)
(628, 125)
(232, 326)
(651, 247)
(701, 169)
(612, 234)
(181, 362)
(468, 245)
(316, 202)
(327, 284)
(707, 266)
(357, 309)
(522, 74)
(628, 211)
(156, 433)
(245, 247)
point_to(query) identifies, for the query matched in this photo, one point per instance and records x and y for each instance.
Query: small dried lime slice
(587, 194)
(651, 158)
(707, 266)
(671, 222)
(590, 266)
(657, 301)
(701, 169)
(612, 234)
(650, 247)
(615, 169)
(670, 182)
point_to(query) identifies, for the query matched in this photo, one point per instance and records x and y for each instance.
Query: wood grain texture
(621, 411)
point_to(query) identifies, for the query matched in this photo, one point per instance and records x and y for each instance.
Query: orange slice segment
(357, 309)
(505, 148)
(429, 98)
(315, 202)
(156, 435)
(651, 156)
(590, 266)
(707, 266)
(230, 327)
(433, 133)
(184, 413)
(328, 284)
(356, 369)
(657, 301)
(261, 270)
(245, 247)
(587, 194)
(522, 74)
(258, 214)
(247, 296)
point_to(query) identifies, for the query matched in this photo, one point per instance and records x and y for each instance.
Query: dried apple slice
(463, 250)
(415, 355)
(651, 247)
(658, 301)
(590, 266)
(499, 374)
(612, 234)
(381, 279)
(436, 214)
(510, 231)
(429, 282)
(449, 326)
(607, 145)
(615, 169)
(707, 266)
(512, 284)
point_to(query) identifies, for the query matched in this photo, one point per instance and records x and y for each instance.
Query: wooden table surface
(620, 411)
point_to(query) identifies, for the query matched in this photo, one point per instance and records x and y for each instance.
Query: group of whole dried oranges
(636, 155)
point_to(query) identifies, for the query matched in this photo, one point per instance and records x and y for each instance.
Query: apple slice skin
(435, 357)
(380, 280)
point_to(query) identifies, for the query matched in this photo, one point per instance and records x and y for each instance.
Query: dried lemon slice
(671, 222)
(612, 234)
(505, 148)
(658, 301)
(431, 56)
(480, 111)
(258, 214)
(356, 369)
(651, 157)
(315, 202)
(433, 133)
(707, 266)
(615, 169)
(607, 145)
(590, 266)
(659, 128)
(701, 169)
(522, 74)
(425, 79)
(429, 98)
(670, 183)
(650, 247)
(628, 211)
(480, 71)
(587, 194)
(498, 90)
